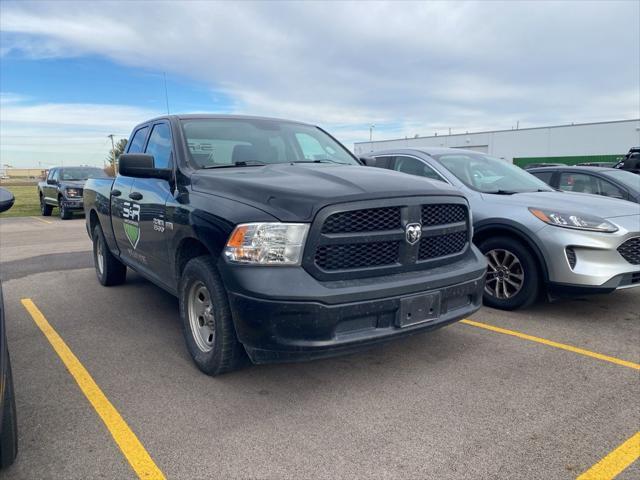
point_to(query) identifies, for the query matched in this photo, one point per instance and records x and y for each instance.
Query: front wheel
(65, 213)
(206, 319)
(109, 270)
(513, 279)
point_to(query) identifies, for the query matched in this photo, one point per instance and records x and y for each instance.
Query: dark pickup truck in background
(63, 189)
(278, 242)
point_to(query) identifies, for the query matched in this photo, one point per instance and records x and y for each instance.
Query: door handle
(135, 196)
(116, 193)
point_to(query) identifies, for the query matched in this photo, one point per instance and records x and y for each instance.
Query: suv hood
(295, 192)
(603, 207)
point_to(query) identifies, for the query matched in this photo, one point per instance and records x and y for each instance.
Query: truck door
(152, 195)
(125, 214)
(50, 191)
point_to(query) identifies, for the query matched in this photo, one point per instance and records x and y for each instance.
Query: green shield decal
(132, 230)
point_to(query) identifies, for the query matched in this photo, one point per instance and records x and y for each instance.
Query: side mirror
(6, 199)
(369, 161)
(51, 181)
(141, 165)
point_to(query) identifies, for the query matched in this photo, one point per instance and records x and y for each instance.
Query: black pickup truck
(278, 242)
(63, 189)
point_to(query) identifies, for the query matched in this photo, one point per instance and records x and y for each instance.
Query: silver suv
(535, 239)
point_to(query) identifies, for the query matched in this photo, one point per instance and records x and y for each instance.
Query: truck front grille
(630, 250)
(442, 245)
(347, 242)
(368, 220)
(357, 255)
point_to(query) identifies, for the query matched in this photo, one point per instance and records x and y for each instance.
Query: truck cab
(278, 242)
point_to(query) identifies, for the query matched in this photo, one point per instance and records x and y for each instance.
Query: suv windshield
(628, 179)
(81, 173)
(490, 175)
(228, 142)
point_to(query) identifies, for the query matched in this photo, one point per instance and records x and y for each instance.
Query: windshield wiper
(241, 163)
(502, 192)
(324, 160)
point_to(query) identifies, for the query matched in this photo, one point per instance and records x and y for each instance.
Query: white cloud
(409, 68)
(55, 133)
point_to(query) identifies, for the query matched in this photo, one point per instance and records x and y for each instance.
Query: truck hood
(295, 192)
(603, 207)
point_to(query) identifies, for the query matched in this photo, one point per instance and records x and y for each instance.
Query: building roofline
(500, 131)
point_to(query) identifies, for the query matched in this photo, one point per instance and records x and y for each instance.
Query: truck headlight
(267, 243)
(577, 221)
(73, 192)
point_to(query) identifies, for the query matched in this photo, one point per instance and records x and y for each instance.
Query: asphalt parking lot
(467, 401)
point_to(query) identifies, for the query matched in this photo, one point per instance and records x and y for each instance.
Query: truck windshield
(245, 142)
(490, 175)
(81, 173)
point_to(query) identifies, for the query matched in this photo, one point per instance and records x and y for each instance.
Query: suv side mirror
(6, 199)
(141, 165)
(369, 161)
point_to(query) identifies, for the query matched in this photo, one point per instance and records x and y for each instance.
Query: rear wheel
(65, 213)
(109, 270)
(45, 209)
(512, 274)
(206, 319)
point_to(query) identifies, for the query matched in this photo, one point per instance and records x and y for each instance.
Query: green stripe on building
(523, 161)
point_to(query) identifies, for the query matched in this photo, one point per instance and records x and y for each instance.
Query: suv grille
(630, 250)
(372, 241)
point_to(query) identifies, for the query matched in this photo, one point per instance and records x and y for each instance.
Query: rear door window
(137, 142)
(544, 176)
(413, 166)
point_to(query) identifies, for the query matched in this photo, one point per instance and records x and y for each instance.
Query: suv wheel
(65, 213)
(512, 274)
(206, 319)
(45, 209)
(109, 270)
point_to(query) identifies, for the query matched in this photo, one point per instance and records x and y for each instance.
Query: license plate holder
(421, 308)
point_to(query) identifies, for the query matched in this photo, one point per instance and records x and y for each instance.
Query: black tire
(226, 352)
(65, 213)
(45, 209)
(528, 268)
(113, 271)
(9, 433)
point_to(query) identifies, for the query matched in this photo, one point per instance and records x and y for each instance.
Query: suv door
(125, 215)
(152, 195)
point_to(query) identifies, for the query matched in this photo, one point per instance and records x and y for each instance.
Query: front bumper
(599, 267)
(73, 203)
(284, 314)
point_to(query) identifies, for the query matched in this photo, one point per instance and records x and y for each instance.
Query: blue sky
(70, 76)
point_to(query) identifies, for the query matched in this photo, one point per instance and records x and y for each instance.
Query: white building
(585, 142)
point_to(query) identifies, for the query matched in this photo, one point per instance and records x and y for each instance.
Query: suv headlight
(577, 221)
(267, 243)
(73, 192)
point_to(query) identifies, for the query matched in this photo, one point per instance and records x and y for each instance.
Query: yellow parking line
(133, 450)
(614, 463)
(41, 220)
(551, 343)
